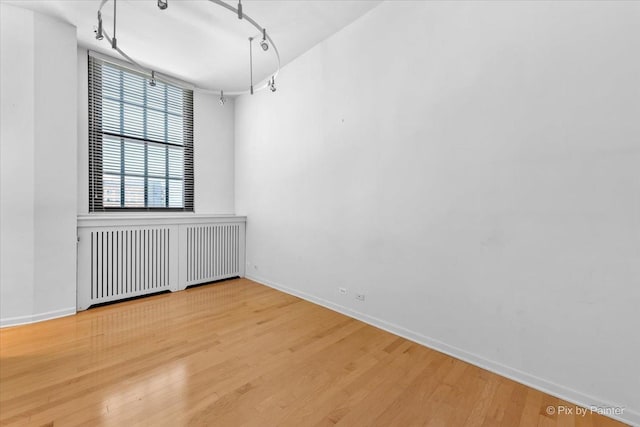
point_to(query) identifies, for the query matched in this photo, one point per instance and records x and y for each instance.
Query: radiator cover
(120, 258)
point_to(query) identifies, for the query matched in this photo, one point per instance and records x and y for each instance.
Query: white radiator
(121, 258)
(212, 252)
(129, 262)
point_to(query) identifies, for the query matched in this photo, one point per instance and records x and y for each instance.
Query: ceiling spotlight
(272, 84)
(163, 4)
(240, 15)
(99, 34)
(152, 82)
(263, 42)
(222, 99)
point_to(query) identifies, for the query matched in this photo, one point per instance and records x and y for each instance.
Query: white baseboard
(32, 318)
(630, 416)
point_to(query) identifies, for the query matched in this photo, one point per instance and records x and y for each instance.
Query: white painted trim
(546, 386)
(32, 318)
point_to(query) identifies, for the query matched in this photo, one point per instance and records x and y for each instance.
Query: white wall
(473, 168)
(16, 143)
(38, 158)
(213, 141)
(213, 136)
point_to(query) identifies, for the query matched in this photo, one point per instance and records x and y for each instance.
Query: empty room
(319, 212)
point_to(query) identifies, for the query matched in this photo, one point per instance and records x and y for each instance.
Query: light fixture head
(222, 99)
(272, 84)
(152, 82)
(99, 34)
(263, 43)
(163, 4)
(240, 14)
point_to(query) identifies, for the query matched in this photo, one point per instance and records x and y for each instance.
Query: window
(140, 142)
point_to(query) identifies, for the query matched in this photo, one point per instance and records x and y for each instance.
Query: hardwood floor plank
(238, 353)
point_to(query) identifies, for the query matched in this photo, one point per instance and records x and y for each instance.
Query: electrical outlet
(360, 297)
(343, 291)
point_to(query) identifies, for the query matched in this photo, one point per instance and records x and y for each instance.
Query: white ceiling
(203, 43)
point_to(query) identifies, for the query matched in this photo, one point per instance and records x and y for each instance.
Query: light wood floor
(238, 353)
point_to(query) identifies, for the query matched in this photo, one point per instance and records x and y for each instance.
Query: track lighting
(99, 34)
(266, 44)
(263, 42)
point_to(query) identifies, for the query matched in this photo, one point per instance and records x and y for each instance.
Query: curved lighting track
(152, 74)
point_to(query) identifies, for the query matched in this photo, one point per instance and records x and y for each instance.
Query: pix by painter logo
(581, 412)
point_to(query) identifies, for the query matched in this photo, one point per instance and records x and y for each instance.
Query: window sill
(144, 218)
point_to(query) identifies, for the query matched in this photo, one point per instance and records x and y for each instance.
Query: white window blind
(140, 141)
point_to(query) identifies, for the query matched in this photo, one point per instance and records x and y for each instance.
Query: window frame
(97, 135)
